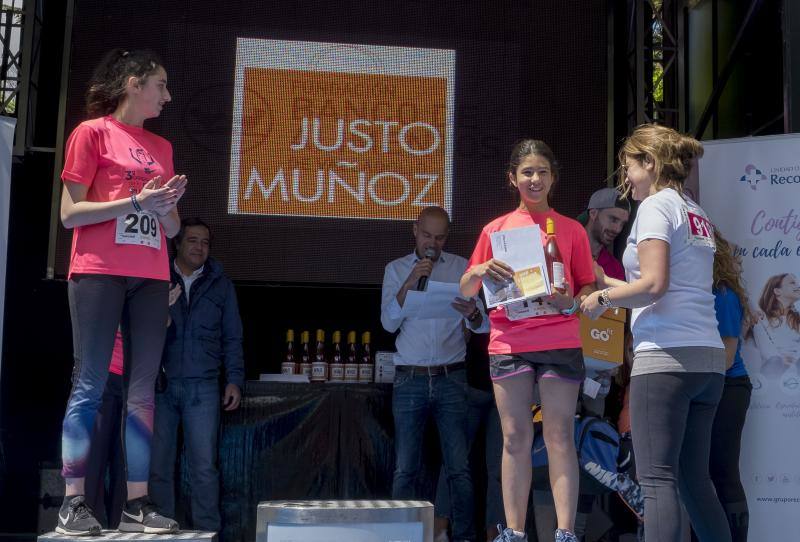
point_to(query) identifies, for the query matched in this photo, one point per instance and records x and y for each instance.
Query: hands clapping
(162, 198)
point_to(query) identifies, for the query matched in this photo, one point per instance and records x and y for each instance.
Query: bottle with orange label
(555, 264)
(366, 366)
(289, 367)
(337, 362)
(305, 356)
(319, 367)
(351, 364)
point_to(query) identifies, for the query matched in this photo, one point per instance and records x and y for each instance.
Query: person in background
(204, 334)
(679, 359)
(120, 199)
(545, 349)
(604, 219)
(731, 305)
(430, 378)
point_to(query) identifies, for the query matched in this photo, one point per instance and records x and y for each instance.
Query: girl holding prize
(544, 349)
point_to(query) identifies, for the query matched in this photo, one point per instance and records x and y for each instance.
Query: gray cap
(607, 198)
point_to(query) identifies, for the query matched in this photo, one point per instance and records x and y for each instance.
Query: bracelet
(603, 300)
(573, 309)
(136, 206)
(474, 316)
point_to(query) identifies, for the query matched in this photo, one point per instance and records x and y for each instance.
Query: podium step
(183, 536)
(345, 521)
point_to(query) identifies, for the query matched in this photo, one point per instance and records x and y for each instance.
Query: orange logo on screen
(328, 144)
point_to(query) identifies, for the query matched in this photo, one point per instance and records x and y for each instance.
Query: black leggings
(671, 416)
(726, 440)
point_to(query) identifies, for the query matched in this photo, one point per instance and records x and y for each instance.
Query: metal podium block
(116, 536)
(344, 521)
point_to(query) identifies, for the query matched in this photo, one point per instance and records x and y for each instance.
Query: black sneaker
(75, 518)
(141, 516)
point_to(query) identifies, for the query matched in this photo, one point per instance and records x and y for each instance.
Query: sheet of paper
(520, 248)
(434, 302)
(591, 387)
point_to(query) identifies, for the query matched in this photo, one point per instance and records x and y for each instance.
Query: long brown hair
(728, 274)
(772, 307)
(672, 154)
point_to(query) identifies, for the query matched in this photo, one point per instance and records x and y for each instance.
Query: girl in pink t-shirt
(120, 196)
(545, 348)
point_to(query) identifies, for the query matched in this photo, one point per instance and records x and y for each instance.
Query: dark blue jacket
(207, 332)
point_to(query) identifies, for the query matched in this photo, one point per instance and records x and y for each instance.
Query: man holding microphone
(430, 378)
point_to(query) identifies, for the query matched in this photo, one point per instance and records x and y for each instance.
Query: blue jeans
(195, 403)
(482, 410)
(414, 399)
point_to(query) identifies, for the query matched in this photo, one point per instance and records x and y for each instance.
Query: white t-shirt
(685, 315)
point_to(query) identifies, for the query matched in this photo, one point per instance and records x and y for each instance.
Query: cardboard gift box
(603, 339)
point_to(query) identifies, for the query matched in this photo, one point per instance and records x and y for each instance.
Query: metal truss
(656, 62)
(11, 23)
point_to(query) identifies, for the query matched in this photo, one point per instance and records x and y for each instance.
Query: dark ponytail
(107, 85)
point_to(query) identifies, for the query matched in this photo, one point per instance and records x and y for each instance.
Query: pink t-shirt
(113, 158)
(612, 267)
(550, 332)
(116, 356)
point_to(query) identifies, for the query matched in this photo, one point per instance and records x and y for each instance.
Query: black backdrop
(523, 69)
(560, 82)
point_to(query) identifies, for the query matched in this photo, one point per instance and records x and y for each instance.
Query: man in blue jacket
(204, 334)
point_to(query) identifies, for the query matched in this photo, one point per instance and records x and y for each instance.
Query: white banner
(751, 190)
(7, 125)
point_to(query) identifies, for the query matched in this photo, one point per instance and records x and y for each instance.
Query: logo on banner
(752, 176)
(357, 133)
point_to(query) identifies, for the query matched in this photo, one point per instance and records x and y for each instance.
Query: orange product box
(603, 339)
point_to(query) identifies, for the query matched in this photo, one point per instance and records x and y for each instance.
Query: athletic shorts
(564, 363)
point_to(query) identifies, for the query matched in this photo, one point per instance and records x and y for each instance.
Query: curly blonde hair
(728, 274)
(671, 152)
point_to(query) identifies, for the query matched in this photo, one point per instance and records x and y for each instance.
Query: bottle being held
(555, 264)
(351, 365)
(366, 366)
(289, 367)
(319, 367)
(305, 357)
(337, 361)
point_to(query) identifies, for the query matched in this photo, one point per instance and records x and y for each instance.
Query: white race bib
(701, 231)
(139, 229)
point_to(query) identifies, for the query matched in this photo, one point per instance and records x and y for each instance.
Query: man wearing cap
(604, 220)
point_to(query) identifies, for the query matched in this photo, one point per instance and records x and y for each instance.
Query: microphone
(423, 281)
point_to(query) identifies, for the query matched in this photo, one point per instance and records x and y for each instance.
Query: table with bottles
(330, 438)
(350, 363)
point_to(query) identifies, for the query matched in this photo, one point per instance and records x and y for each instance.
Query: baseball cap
(605, 198)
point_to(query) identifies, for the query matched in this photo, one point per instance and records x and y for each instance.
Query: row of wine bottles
(356, 365)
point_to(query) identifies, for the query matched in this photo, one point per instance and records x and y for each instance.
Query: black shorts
(566, 363)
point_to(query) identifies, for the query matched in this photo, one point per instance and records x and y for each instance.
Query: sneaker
(508, 535)
(563, 535)
(141, 516)
(75, 518)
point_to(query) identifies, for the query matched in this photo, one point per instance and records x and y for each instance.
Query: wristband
(136, 206)
(603, 300)
(573, 309)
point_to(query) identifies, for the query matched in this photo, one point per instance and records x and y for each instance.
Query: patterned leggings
(98, 305)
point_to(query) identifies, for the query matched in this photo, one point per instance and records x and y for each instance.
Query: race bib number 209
(140, 229)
